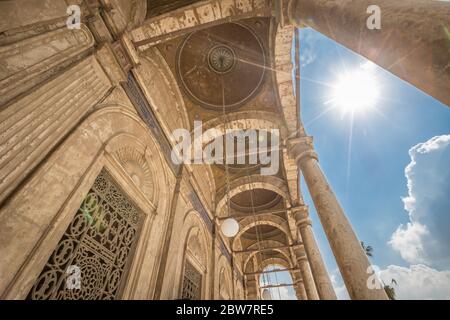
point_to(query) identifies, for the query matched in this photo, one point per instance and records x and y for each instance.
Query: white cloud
(408, 241)
(339, 286)
(307, 47)
(286, 294)
(425, 238)
(282, 293)
(418, 282)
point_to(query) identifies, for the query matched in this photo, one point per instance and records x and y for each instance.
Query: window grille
(91, 259)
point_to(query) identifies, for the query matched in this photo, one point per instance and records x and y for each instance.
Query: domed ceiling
(263, 232)
(256, 199)
(228, 59)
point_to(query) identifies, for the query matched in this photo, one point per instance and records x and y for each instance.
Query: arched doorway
(277, 284)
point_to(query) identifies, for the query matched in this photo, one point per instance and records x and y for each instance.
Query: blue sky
(367, 172)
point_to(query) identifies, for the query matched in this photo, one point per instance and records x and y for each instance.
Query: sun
(356, 90)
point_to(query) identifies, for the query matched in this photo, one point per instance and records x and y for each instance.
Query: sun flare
(355, 90)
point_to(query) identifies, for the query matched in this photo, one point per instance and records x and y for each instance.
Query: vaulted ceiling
(225, 70)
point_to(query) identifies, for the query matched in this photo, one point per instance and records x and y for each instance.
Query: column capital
(301, 148)
(301, 216)
(300, 253)
(297, 278)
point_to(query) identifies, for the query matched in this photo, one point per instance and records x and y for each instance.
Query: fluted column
(305, 271)
(412, 41)
(318, 269)
(350, 257)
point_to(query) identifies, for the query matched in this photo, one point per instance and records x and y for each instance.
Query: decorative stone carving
(28, 62)
(199, 16)
(99, 241)
(283, 75)
(32, 126)
(213, 60)
(301, 215)
(192, 283)
(108, 59)
(13, 15)
(196, 249)
(301, 148)
(144, 110)
(221, 59)
(121, 55)
(138, 169)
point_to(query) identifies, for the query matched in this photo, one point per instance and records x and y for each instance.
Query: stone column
(412, 41)
(318, 269)
(305, 271)
(212, 266)
(299, 287)
(350, 257)
(251, 286)
(300, 291)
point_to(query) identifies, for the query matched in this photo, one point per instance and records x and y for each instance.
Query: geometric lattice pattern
(99, 242)
(192, 283)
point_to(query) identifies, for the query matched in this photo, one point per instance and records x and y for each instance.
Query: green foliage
(367, 249)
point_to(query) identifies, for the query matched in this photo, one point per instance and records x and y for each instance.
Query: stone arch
(56, 195)
(194, 246)
(283, 74)
(222, 282)
(278, 263)
(242, 120)
(199, 15)
(286, 258)
(205, 181)
(285, 263)
(256, 181)
(161, 90)
(138, 160)
(271, 220)
(194, 226)
(266, 244)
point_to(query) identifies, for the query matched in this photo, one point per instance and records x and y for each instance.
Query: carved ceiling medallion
(221, 59)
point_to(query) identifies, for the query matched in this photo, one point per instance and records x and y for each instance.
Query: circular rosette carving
(92, 275)
(137, 167)
(45, 285)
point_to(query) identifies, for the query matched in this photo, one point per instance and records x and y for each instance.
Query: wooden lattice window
(192, 283)
(99, 242)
